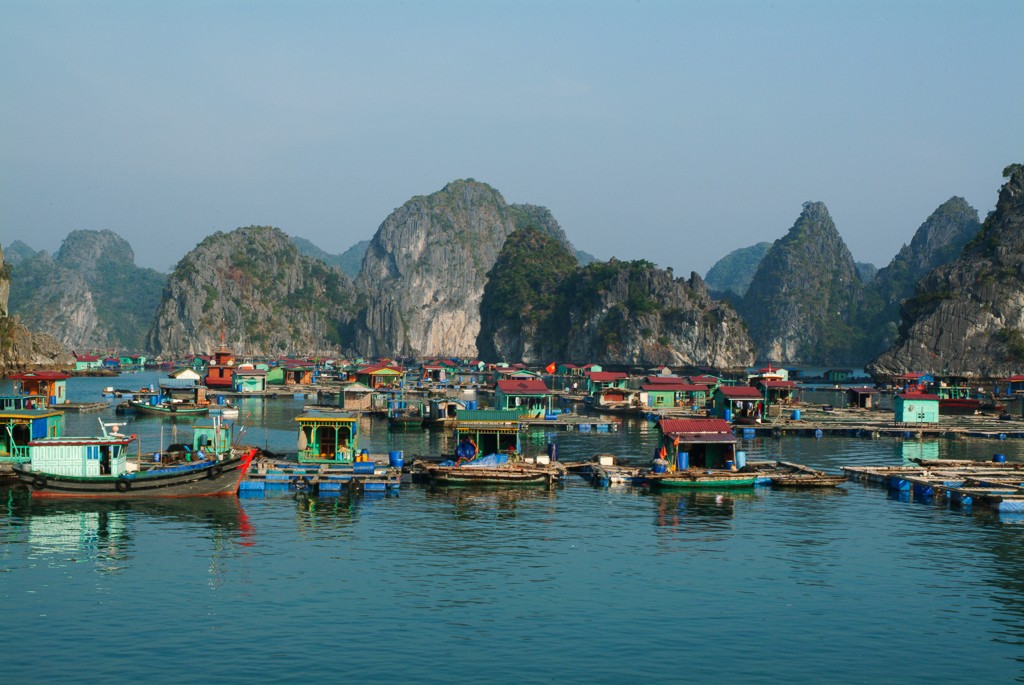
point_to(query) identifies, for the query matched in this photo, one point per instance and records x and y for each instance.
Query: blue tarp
(489, 460)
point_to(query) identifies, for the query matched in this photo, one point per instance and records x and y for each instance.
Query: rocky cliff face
(805, 294)
(90, 295)
(634, 313)
(939, 240)
(733, 272)
(425, 269)
(269, 299)
(967, 317)
(521, 316)
(19, 349)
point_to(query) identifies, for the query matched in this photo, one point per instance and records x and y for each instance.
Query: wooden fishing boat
(604, 471)
(783, 474)
(701, 478)
(519, 473)
(99, 467)
(169, 408)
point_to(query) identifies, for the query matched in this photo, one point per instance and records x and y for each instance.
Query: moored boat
(99, 467)
(701, 478)
(169, 408)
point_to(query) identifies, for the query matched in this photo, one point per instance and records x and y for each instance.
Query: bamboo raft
(784, 474)
(998, 486)
(322, 479)
(519, 473)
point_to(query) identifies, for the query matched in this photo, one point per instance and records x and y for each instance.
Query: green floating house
(916, 407)
(19, 425)
(328, 437)
(492, 430)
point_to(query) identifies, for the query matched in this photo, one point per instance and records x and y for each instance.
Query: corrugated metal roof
(530, 386)
(694, 426)
(918, 396)
(603, 376)
(673, 387)
(778, 384)
(740, 392)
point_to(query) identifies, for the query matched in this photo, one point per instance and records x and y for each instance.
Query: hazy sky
(672, 131)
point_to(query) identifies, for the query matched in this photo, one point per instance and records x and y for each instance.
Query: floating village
(702, 420)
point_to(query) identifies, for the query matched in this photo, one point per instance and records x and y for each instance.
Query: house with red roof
(732, 402)
(86, 362)
(49, 384)
(529, 396)
(673, 394)
(704, 443)
(603, 380)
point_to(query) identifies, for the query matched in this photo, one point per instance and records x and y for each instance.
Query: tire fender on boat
(123, 485)
(39, 482)
(214, 471)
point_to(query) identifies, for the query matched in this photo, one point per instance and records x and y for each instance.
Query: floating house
(491, 430)
(838, 375)
(88, 362)
(297, 372)
(673, 394)
(602, 380)
(186, 373)
(703, 443)
(20, 424)
(356, 397)
(738, 402)
(380, 376)
(51, 385)
(777, 391)
(328, 437)
(249, 381)
(916, 407)
(527, 397)
(863, 398)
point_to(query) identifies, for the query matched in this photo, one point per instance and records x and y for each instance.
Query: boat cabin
(221, 369)
(492, 431)
(328, 437)
(212, 436)
(916, 407)
(19, 426)
(704, 443)
(81, 457)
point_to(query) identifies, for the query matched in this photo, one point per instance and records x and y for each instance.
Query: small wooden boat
(701, 478)
(519, 473)
(170, 408)
(604, 471)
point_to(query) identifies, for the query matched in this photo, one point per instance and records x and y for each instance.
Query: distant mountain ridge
(967, 317)
(89, 295)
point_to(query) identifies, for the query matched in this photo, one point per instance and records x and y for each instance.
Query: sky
(671, 131)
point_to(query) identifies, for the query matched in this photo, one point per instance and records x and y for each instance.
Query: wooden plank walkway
(998, 486)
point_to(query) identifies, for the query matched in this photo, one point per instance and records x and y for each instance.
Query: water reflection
(104, 532)
(474, 503)
(701, 510)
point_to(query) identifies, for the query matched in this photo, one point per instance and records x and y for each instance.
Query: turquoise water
(573, 585)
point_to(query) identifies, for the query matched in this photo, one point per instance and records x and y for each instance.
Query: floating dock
(363, 478)
(995, 485)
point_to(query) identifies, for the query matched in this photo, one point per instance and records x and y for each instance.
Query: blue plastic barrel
(659, 467)
(796, 414)
(396, 459)
(220, 399)
(683, 461)
(741, 459)
(729, 463)
(999, 458)
(156, 456)
(728, 414)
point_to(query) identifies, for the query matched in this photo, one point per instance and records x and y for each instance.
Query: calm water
(464, 586)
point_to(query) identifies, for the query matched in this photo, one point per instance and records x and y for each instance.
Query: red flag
(550, 368)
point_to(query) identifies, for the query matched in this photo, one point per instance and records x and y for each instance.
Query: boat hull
(204, 479)
(497, 475)
(167, 410)
(698, 478)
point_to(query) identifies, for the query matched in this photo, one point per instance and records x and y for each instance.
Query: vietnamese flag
(550, 368)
